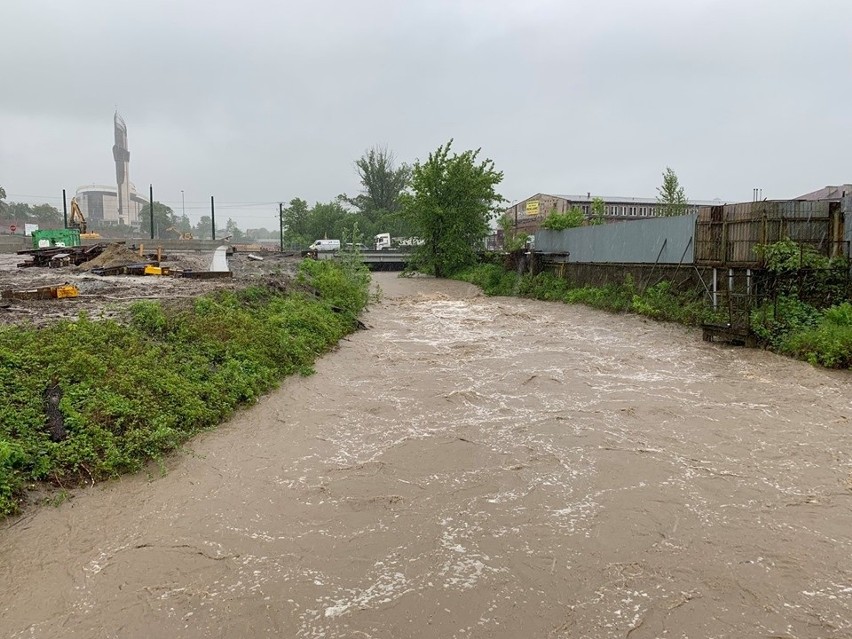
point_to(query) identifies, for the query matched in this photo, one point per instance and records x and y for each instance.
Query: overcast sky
(259, 101)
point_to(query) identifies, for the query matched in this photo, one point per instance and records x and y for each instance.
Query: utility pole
(65, 208)
(213, 216)
(151, 204)
(281, 223)
(182, 203)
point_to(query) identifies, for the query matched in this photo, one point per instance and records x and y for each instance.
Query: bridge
(388, 260)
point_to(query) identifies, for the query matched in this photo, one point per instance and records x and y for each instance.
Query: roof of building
(827, 193)
(617, 199)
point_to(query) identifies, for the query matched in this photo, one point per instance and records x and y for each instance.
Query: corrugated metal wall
(635, 242)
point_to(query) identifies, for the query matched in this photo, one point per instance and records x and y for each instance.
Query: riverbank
(473, 466)
(87, 399)
(821, 337)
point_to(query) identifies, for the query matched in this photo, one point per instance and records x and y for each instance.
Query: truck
(384, 241)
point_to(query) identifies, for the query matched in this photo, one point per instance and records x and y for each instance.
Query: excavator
(180, 235)
(78, 221)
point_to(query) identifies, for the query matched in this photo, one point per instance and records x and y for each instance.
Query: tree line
(447, 201)
(22, 213)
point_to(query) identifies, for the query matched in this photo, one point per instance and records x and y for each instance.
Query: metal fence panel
(667, 240)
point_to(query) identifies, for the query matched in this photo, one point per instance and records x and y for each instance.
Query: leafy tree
(3, 204)
(234, 231)
(383, 182)
(183, 224)
(572, 218)
(598, 210)
(203, 230)
(329, 220)
(452, 203)
(164, 218)
(42, 214)
(296, 218)
(45, 215)
(18, 211)
(671, 196)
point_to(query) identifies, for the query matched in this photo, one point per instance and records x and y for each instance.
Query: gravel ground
(108, 296)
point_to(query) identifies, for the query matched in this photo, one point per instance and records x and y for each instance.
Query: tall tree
(3, 205)
(454, 198)
(671, 196)
(382, 183)
(295, 218)
(204, 229)
(46, 215)
(164, 218)
(232, 229)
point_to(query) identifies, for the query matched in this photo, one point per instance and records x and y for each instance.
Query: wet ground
(109, 296)
(475, 467)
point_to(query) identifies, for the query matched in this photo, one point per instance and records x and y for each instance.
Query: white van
(321, 246)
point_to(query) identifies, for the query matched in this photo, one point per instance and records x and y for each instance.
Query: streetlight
(182, 203)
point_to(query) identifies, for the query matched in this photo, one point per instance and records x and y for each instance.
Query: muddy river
(474, 467)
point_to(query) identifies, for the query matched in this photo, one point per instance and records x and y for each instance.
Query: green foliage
(204, 229)
(598, 210)
(164, 218)
(382, 184)
(774, 322)
(377, 209)
(671, 195)
(44, 215)
(788, 256)
(131, 392)
(810, 317)
(11, 460)
(454, 198)
(828, 344)
(572, 218)
(658, 302)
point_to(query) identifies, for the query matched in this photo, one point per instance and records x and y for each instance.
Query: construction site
(102, 278)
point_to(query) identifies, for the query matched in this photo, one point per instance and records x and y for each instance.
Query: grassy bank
(658, 301)
(86, 400)
(791, 327)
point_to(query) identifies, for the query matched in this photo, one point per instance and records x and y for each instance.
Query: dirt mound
(113, 255)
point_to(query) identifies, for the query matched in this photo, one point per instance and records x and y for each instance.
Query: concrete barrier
(14, 243)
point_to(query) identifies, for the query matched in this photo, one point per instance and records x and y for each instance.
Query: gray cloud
(263, 101)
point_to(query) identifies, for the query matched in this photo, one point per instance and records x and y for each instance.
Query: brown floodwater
(474, 467)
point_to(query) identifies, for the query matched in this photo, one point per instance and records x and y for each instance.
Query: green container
(52, 238)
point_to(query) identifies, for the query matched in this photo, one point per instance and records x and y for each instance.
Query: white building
(99, 203)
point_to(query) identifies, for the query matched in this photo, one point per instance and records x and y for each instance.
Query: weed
(132, 392)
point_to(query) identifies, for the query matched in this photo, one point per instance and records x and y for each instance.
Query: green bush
(658, 301)
(828, 343)
(774, 322)
(131, 392)
(572, 218)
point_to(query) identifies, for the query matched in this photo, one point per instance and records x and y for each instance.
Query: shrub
(572, 218)
(131, 392)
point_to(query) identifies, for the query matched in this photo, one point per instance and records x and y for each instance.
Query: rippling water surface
(475, 467)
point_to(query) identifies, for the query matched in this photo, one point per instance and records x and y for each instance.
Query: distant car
(349, 246)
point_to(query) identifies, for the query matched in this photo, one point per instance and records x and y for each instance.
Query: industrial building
(527, 215)
(100, 205)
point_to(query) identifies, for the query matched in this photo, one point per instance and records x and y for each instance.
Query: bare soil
(109, 296)
(475, 467)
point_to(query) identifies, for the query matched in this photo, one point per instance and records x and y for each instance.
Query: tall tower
(122, 170)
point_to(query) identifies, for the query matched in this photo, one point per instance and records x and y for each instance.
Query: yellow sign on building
(532, 207)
